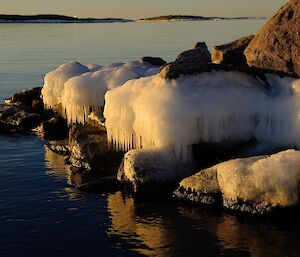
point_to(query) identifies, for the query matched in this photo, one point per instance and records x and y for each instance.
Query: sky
(142, 8)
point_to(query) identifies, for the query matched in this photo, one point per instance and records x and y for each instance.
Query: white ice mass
(80, 89)
(143, 110)
(271, 180)
(210, 107)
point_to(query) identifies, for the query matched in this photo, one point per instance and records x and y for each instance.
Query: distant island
(54, 18)
(194, 18)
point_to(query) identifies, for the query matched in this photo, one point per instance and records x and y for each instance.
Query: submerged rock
(231, 53)
(277, 45)
(257, 184)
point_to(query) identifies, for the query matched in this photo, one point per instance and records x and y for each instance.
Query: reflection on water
(170, 229)
(56, 167)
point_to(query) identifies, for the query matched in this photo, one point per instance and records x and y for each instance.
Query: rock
(199, 54)
(231, 53)
(55, 128)
(174, 70)
(261, 184)
(59, 147)
(277, 46)
(25, 97)
(13, 118)
(202, 188)
(156, 61)
(150, 168)
(258, 185)
(90, 151)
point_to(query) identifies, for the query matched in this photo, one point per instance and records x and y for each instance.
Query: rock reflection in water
(165, 228)
(56, 167)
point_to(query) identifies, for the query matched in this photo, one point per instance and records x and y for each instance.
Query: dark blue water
(41, 214)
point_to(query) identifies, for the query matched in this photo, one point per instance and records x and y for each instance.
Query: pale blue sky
(142, 8)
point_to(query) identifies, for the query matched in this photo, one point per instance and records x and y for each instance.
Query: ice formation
(272, 180)
(210, 107)
(154, 164)
(54, 81)
(80, 89)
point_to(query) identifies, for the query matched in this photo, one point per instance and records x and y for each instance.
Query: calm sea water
(41, 214)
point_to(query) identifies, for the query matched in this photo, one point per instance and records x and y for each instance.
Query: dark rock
(154, 60)
(249, 207)
(90, 151)
(59, 147)
(13, 118)
(55, 128)
(199, 54)
(37, 105)
(25, 97)
(231, 53)
(277, 46)
(175, 69)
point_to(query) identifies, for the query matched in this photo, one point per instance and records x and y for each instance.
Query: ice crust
(81, 89)
(271, 180)
(210, 107)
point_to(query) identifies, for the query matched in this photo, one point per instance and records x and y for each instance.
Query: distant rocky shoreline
(195, 18)
(221, 128)
(53, 18)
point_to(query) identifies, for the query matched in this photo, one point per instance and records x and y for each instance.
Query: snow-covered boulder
(212, 107)
(80, 89)
(256, 184)
(153, 165)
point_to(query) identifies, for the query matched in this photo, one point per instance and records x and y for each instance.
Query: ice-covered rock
(142, 167)
(267, 180)
(210, 107)
(202, 187)
(81, 89)
(256, 184)
(54, 81)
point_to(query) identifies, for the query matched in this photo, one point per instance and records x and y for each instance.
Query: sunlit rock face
(203, 187)
(256, 184)
(80, 89)
(277, 46)
(210, 107)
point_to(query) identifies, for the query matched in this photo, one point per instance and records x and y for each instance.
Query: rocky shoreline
(235, 174)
